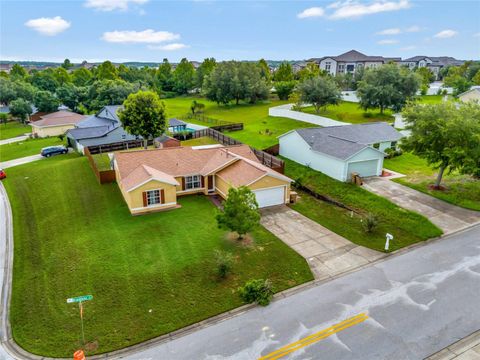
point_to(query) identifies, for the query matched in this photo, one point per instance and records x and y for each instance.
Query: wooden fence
(103, 176)
(205, 119)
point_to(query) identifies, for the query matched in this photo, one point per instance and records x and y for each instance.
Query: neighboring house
(151, 180)
(339, 151)
(350, 61)
(175, 125)
(470, 95)
(165, 141)
(56, 123)
(100, 129)
(434, 63)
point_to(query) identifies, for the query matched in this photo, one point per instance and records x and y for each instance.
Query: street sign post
(79, 300)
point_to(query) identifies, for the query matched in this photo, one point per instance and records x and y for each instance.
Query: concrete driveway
(446, 216)
(327, 253)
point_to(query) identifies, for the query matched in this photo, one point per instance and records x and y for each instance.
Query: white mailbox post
(387, 242)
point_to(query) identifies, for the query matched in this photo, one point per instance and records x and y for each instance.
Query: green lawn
(430, 99)
(26, 148)
(13, 129)
(461, 190)
(199, 141)
(260, 130)
(406, 226)
(149, 274)
(102, 161)
(350, 112)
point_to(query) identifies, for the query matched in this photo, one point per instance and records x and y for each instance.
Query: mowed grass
(351, 112)
(149, 274)
(461, 190)
(26, 148)
(102, 161)
(199, 141)
(406, 226)
(13, 129)
(260, 130)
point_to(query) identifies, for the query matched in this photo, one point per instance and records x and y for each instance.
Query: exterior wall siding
(135, 198)
(51, 131)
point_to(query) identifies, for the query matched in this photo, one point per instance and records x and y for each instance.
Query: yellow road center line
(285, 350)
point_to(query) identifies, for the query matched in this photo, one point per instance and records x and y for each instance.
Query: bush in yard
(224, 261)
(284, 89)
(240, 211)
(370, 223)
(258, 290)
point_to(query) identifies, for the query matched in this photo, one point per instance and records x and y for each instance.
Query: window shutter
(144, 198)
(183, 183)
(202, 181)
(162, 196)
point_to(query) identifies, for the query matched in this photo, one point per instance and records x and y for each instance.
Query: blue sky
(149, 30)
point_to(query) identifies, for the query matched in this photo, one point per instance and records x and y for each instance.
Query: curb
(458, 348)
(14, 350)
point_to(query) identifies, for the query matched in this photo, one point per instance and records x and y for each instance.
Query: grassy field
(406, 226)
(350, 112)
(13, 129)
(199, 141)
(148, 275)
(102, 161)
(461, 190)
(430, 99)
(26, 148)
(260, 130)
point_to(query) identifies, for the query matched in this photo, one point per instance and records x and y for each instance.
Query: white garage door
(270, 197)
(363, 168)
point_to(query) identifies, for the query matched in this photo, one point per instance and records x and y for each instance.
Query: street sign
(80, 299)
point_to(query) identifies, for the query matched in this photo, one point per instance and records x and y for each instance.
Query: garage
(270, 196)
(364, 168)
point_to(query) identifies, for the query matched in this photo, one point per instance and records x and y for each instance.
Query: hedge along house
(340, 151)
(56, 123)
(151, 180)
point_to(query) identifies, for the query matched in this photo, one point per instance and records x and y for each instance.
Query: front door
(211, 185)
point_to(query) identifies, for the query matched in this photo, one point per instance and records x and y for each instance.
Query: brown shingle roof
(62, 117)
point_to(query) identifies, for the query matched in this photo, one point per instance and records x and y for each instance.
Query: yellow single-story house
(56, 123)
(151, 180)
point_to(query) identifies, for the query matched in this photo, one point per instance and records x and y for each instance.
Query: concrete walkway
(465, 349)
(15, 139)
(287, 112)
(20, 161)
(446, 216)
(327, 253)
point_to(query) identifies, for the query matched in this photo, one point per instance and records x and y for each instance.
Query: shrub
(258, 290)
(224, 261)
(424, 90)
(390, 153)
(61, 137)
(370, 223)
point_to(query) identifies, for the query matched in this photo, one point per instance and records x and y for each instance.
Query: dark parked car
(53, 150)
(3, 174)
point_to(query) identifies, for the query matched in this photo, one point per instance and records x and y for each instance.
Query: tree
(62, 76)
(70, 95)
(476, 78)
(184, 77)
(45, 101)
(284, 89)
(3, 118)
(144, 114)
(67, 64)
(45, 80)
(284, 72)
(240, 212)
(387, 87)
(109, 92)
(7, 91)
(320, 92)
(205, 68)
(164, 76)
(311, 70)
(445, 136)
(196, 107)
(18, 71)
(81, 77)
(23, 90)
(106, 71)
(20, 109)
(426, 75)
(265, 70)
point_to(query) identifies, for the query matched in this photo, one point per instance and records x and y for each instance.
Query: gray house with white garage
(339, 151)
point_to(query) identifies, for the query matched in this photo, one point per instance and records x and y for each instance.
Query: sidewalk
(15, 139)
(20, 161)
(465, 349)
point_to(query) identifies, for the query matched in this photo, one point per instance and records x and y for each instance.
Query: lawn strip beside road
(406, 226)
(13, 129)
(26, 148)
(149, 275)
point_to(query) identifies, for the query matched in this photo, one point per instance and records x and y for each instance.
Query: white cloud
(168, 47)
(311, 12)
(48, 26)
(354, 9)
(445, 34)
(110, 5)
(408, 48)
(387, 42)
(148, 36)
(414, 28)
(393, 31)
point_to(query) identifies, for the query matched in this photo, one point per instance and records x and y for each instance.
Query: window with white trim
(341, 68)
(153, 197)
(193, 182)
(328, 66)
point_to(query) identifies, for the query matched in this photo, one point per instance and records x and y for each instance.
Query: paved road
(417, 303)
(20, 161)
